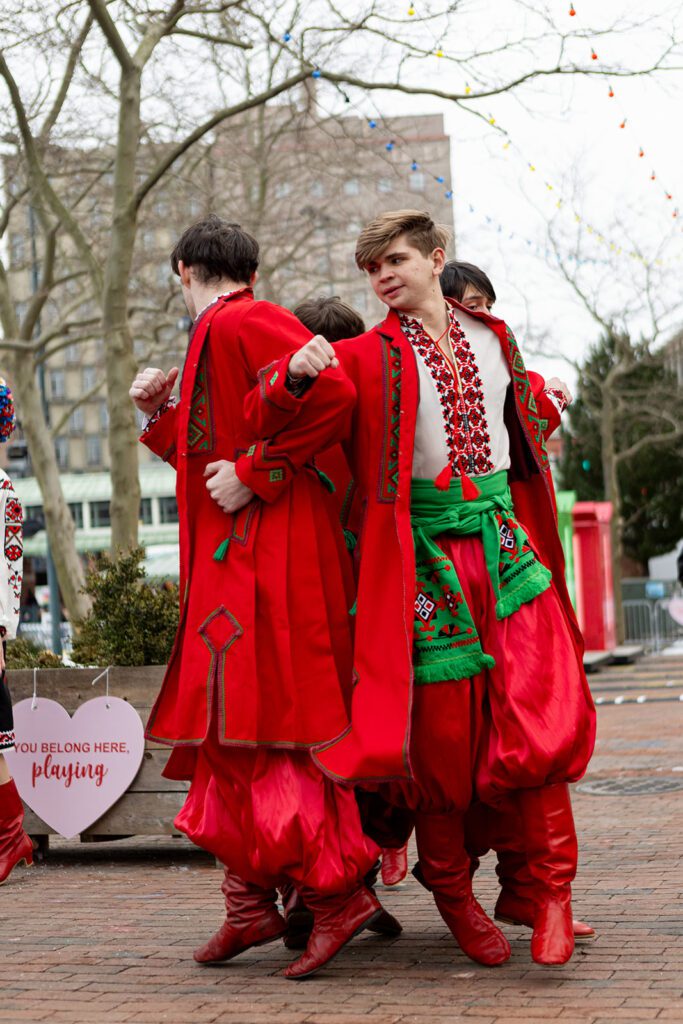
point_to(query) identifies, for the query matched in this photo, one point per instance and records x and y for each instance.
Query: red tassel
(443, 480)
(470, 491)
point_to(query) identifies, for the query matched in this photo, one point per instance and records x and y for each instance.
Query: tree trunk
(58, 522)
(613, 495)
(120, 363)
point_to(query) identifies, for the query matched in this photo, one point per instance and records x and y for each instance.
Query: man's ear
(439, 261)
(253, 279)
(185, 274)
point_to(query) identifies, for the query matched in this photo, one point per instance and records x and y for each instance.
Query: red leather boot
(444, 869)
(252, 919)
(552, 853)
(394, 865)
(516, 902)
(336, 920)
(15, 845)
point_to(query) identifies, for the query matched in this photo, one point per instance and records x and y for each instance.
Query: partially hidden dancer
(16, 846)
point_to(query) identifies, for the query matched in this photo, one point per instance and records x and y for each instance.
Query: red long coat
(382, 366)
(265, 632)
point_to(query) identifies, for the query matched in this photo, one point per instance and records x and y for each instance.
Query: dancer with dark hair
(261, 668)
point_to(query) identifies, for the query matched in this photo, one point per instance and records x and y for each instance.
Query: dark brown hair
(456, 276)
(330, 316)
(215, 249)
(421, 230)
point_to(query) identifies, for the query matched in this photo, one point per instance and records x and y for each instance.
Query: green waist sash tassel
(446, 644)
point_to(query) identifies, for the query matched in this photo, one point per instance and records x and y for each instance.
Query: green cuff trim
(458, 667)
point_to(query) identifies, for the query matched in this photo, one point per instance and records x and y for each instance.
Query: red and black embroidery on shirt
(464, 415)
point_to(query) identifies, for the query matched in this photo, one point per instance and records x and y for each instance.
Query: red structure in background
(593, 569)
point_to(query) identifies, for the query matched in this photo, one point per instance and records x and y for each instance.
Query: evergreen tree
(647, 402)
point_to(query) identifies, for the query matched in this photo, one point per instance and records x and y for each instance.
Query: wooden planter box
(150, 804)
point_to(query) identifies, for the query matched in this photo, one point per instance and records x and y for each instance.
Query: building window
(104, 416)
(89, 377)
(146, 511)
(93, 450)
(417, 181)
(34, 519)
(62, 452)
(73, 354)
(99, 513)
(352, 187)
(76, 510)
(385, 185)
(168, 510)
(77, 421)
(17, 248)
(57, 384)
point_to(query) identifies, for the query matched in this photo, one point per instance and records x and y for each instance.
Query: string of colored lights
(393, 144)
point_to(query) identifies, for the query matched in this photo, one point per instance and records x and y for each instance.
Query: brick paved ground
(105, 933)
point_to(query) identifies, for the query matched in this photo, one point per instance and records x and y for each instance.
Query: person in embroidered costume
(468, 657)
(487, 827)
(261, 668)
(15, 845)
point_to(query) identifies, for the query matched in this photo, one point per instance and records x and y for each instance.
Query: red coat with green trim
(382, 366)
(264, 634)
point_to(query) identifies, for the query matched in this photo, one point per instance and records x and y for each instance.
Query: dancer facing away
(15, 845)
(261, 668)
(487, 827)
(467, 652)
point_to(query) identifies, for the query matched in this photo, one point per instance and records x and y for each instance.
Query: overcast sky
(568, 129)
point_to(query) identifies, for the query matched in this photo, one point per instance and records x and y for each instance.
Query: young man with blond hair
(467, 658)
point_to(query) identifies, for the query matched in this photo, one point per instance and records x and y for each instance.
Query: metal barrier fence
(649, 623)
(40, 634)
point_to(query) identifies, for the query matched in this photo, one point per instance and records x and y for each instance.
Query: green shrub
(22, 653)
(131, 622)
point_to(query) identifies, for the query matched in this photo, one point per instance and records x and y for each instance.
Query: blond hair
(419, 227)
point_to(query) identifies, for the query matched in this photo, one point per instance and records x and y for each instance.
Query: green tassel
(531, 587)
(352, 609)
(325, 480)
(221, 551)
(458, 667)
(350, 539)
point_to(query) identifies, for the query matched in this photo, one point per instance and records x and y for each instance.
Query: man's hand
(151, 388)
(312, 358)
(225, 487)
(555, 384)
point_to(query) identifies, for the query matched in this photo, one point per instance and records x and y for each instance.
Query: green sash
(446, 644)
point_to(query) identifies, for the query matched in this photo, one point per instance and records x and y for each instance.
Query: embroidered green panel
(388, 482)
(200, 431)
(526, 398)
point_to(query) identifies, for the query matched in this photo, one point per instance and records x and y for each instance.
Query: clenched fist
(312, 358)
(559, 385)
(151, 388)
(225, 487)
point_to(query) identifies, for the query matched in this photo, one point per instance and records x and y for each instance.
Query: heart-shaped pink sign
(71, 770)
